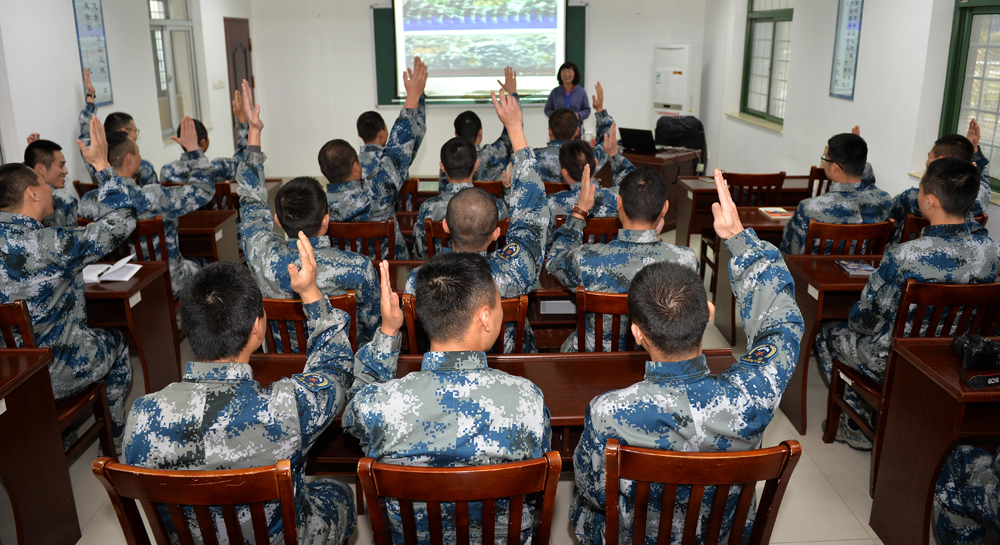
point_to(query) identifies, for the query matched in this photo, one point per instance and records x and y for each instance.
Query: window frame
(166, 26)
(773, 16)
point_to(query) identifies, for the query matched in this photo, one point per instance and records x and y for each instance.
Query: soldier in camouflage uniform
(219, 417)
(455, 411)
(155, 200)
(46, 158)
(562, 128)
(967, 497)
(681, 405)
(946, 252)
(472, 221)
(853, 197)
(609, 267)
(356, 196)
(378, 146)
(224, 168)
(268, 254)
(43, 266)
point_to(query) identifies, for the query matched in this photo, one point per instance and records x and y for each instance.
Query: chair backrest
(848, 238)
(15, 324)
(597, 230)
(407, 195)
(721, 470)
(83, 187)
(494, 188)
(555, 187)
(281, 312)
(142, 240)
(197, 491)
(461, 486)
(364, 237)
(819, 183)
(755, 189)
(515, 310)
(225, 198)
(915, 224)
(972, 309)
(599, 304)
(435, 230)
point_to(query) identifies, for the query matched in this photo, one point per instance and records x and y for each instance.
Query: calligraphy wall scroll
(845, 48)
(93, 47)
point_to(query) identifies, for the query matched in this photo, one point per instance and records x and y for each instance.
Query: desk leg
(685, 212)
(33, 465)
(725, 302)
(793, 402)
(227, 248)
(920, 431)
(154, 329)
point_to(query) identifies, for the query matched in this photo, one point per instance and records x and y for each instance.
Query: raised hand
(505, 176)
(414, 80)
(304, 280)
(392, 313)
(88, 86)
(97, 153)
(856, 130)
(597, 100)
(252, 113)
(727, 218)
(974, 133)
(238, 106)
(510, 81)
(189, 136)
(34, 137)
(509, 112)
(611, 141)
(585, 201)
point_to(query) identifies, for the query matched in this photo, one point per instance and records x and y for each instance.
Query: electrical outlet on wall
(218, 84)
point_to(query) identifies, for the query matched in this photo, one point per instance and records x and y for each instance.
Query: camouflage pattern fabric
(145, 176)
(607, 267)
(44, 267)
(397, 148)
(493, 159)
(65, 214)
(682, 406)
(436, 208)
(605, 199)
(268, 253)
(548, 157)
(224, 168)
(219, 417)
(967, 497)
(455, 411)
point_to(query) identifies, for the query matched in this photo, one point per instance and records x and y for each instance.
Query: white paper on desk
(120, 271)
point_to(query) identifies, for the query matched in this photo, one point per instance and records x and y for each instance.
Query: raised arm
(376, 360)
(410, 127)
(563, 262)
(89, 109)
(174, 202)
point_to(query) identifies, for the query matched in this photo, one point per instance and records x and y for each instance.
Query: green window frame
(766, 59)
(972, 82)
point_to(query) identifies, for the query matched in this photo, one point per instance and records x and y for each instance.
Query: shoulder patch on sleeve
(313, 381)
(509, 251)
(760, 355)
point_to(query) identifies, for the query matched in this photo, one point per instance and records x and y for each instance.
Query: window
(172, 36)
(765, 59)
(972, 84)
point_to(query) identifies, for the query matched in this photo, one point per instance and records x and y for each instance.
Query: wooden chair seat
(599, 304)
(915, 224)
(848, 238)
(202, 492)
(364, 237)
(493, 187)
(434, 230)
(288, 318)
(597, 230)
(515, 310)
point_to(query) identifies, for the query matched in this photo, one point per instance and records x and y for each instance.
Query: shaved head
(472, 218)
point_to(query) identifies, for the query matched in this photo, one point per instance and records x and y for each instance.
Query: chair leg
(832, 407)
(359, 496)
(704, 259)
(102, 412)
(715, 265)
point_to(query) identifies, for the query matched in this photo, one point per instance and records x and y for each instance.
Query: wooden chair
(599, 304)
(142, 241)
(435, 230)
(494, 188)
(460, 486)
(819, 184)
(556, 187)
(597, 230)
(408, 195)
(281, 312)
(225, 198)
(94, 397)
(719, 470)
(747, 190)
(368, 233)
(515, 310)
(915, 224)
(848, 238)
(198, 491)
(82, 188)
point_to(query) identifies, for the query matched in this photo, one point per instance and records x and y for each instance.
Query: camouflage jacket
(219, 417)
(605, 199)
(400, 149)
(966, 497)
(455, 411)
(64, 211)
(548, 157)
(435, 209)
(682, 406)
(44, 267)
(146, 174)
(607, 267)
(223, 168)
(845, 203)
(493, 159)
(269, 253)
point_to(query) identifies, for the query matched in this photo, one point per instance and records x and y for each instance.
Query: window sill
(756, 121)
(994, 197)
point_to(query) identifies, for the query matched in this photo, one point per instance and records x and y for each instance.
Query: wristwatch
(91, 95)
(581, 211)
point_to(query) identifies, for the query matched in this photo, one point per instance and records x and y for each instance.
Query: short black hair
(576, 72)
(643, 192)
(369, 125)
(116, 121)
(563, 124)
(336, 158)
(576, 154)
(301, 206)
(450, 289)
(954, 145)
(41, 152)
(218, 307)
(472, 217)
(459, 156)
(468, 125)
(850, 152)
(199, 128)
(119, 145)
(955, 183)
(667, 301)
(14, 179)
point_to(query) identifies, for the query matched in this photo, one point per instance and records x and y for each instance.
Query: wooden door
(238, 48)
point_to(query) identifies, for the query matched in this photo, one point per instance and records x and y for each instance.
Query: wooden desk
(31, 453)
(931, 412)
(823, 291)
(210, 234)
(767, 228)
(143, 307)
(670, 163)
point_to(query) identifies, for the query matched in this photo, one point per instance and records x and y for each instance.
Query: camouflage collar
(317, 242)
(556, 143)
(20, 219)
(198, 371)
(483, 253)
(847, 188)
(639, 237)
(456, 187)
(661, 371)
(946, 231)
(453, 361)
(374, 148)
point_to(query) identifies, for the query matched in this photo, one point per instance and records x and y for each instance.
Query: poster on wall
(93, 47)
(845, 48)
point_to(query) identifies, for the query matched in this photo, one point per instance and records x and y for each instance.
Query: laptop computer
(638, 140)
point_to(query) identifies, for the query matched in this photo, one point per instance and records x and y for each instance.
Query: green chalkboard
(385, 52)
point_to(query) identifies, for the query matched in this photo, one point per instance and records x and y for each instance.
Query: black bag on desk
(685, 132)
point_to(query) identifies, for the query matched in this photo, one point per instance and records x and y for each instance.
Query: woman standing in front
(569, 95)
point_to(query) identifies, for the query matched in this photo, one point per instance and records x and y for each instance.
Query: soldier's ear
(324, 226)
(496, 234)
(476, 168)
(711, 312)
(444, 225)
(278, 222)
(640, 340)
